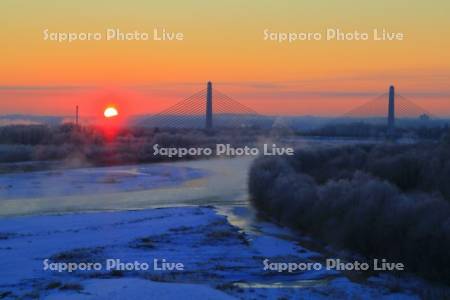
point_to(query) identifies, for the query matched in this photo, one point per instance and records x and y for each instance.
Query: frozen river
(201, 182)
(90, 214)
(220, 181)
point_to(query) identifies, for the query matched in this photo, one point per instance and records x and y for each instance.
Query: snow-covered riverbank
(222, 247)
(219, 260)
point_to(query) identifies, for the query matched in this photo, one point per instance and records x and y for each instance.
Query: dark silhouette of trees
(383, 201)
(94, 145)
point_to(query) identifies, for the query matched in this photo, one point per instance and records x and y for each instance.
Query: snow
(219, 258)
(222, 247)
(130, 288)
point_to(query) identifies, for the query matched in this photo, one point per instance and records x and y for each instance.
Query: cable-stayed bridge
(379, 107)
(390, 105)
(210, 108)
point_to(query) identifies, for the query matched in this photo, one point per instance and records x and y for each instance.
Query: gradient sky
(223, 43)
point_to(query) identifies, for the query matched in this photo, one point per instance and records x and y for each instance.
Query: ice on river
(220, 261)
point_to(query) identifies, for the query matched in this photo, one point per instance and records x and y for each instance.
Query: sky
(223, 42)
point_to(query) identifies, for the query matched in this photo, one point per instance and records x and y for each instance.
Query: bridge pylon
(209, 110)
(391, 111)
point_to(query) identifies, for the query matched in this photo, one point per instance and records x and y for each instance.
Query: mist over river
(195, 213)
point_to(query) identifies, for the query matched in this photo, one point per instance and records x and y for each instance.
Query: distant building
(424, 117)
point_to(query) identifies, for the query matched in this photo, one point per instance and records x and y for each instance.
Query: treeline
(100, 146)
(359, 129)
(383, 201)
(50, 135)
(367, 130)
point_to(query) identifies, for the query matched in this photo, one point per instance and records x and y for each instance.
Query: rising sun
(111, 112)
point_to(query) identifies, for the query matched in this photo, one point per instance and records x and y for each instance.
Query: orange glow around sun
(111, 112)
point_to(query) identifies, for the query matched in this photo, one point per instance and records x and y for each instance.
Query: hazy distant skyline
(223, 43)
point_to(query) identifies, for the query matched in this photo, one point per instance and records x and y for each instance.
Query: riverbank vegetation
(106, 146)
(382, 201)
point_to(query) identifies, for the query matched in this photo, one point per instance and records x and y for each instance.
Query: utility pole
(76, 115)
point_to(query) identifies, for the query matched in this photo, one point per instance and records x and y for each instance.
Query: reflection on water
(284, 284)
(225, 183)
(84, 181)
(135, 187)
